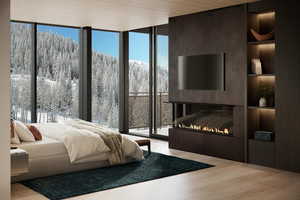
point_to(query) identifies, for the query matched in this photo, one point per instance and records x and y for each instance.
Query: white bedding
(84, 145)
(44, 148)
(50, 148)
(50, 157)
(80, 144)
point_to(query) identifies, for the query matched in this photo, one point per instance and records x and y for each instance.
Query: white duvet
(83, 144)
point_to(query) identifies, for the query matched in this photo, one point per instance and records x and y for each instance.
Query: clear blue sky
(139, 46)
(163, 50)
(108, 43)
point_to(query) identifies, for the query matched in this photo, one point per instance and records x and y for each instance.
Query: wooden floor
(228, 180)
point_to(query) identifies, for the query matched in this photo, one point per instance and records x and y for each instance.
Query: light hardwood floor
(228, 180)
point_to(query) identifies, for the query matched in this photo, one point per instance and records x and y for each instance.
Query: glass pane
(105, 78)
(139, 83)
(58, 73)
(21, 72)
(163, 109)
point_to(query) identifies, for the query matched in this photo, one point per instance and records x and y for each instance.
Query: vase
(262, 102)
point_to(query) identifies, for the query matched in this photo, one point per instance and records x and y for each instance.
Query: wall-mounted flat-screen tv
(201, 72)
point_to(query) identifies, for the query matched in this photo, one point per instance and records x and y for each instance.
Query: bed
(51, 155)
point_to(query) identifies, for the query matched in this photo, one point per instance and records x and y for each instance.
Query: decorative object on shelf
(266, 94)
(262, 37)
(263, 135)
(256, 66)
(262, 102)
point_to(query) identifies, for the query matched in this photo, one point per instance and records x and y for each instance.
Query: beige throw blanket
(112, 139)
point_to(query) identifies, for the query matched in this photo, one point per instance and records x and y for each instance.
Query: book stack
(263, 135)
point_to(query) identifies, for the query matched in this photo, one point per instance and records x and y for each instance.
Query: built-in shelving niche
(266, 53)
(261, 22)
(261, 118)
(255, 87)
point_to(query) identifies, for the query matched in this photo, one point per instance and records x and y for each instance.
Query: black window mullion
(85, 75)
(123, 81)
(154, 43)
(150, 120)
(34, 73)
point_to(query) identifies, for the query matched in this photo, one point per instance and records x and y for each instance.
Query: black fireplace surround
(209, 129)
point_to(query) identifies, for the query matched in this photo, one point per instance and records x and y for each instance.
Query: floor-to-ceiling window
(21, 41)
(139, 76)
(163, 108)
(57, 81)
(57, 73)
(105, 78)
(148, 109)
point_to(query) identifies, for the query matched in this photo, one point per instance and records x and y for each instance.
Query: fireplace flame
(224, 131)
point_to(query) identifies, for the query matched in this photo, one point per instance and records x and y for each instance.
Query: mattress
(49, 157)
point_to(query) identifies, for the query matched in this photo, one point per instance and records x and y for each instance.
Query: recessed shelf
(257, 75)
(262, 42)
(271, 11)
(257, 107)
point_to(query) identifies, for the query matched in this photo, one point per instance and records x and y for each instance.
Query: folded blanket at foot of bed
(112, 139)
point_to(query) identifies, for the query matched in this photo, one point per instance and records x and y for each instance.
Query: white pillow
(23, 132)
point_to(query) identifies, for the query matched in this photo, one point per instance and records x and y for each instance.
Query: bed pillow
(23, 132)
(14, 138)
(35, 132)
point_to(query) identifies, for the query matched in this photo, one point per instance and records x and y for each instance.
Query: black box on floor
(263, 135)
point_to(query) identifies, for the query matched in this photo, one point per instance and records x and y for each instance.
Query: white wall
(4, 100)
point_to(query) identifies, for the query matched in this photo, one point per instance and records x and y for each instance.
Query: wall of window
(21, 41)
(45, 85)
(105, 78)
(57, 73)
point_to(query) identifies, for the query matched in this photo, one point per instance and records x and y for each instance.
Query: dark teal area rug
(153, 167)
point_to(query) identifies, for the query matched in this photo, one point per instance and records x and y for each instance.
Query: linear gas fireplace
(206, 119)
(209, 129)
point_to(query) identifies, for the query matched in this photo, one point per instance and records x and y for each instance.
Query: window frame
(123, 73)
(33, 88)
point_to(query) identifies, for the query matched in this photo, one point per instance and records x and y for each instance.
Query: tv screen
(201, 72)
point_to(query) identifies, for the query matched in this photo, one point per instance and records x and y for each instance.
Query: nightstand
(19, 161)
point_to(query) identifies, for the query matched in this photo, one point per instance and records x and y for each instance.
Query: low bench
(144, 142)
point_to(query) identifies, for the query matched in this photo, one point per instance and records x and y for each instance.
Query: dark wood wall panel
(262, 153)
(225, 30)
(288, 85)
(218, 31)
